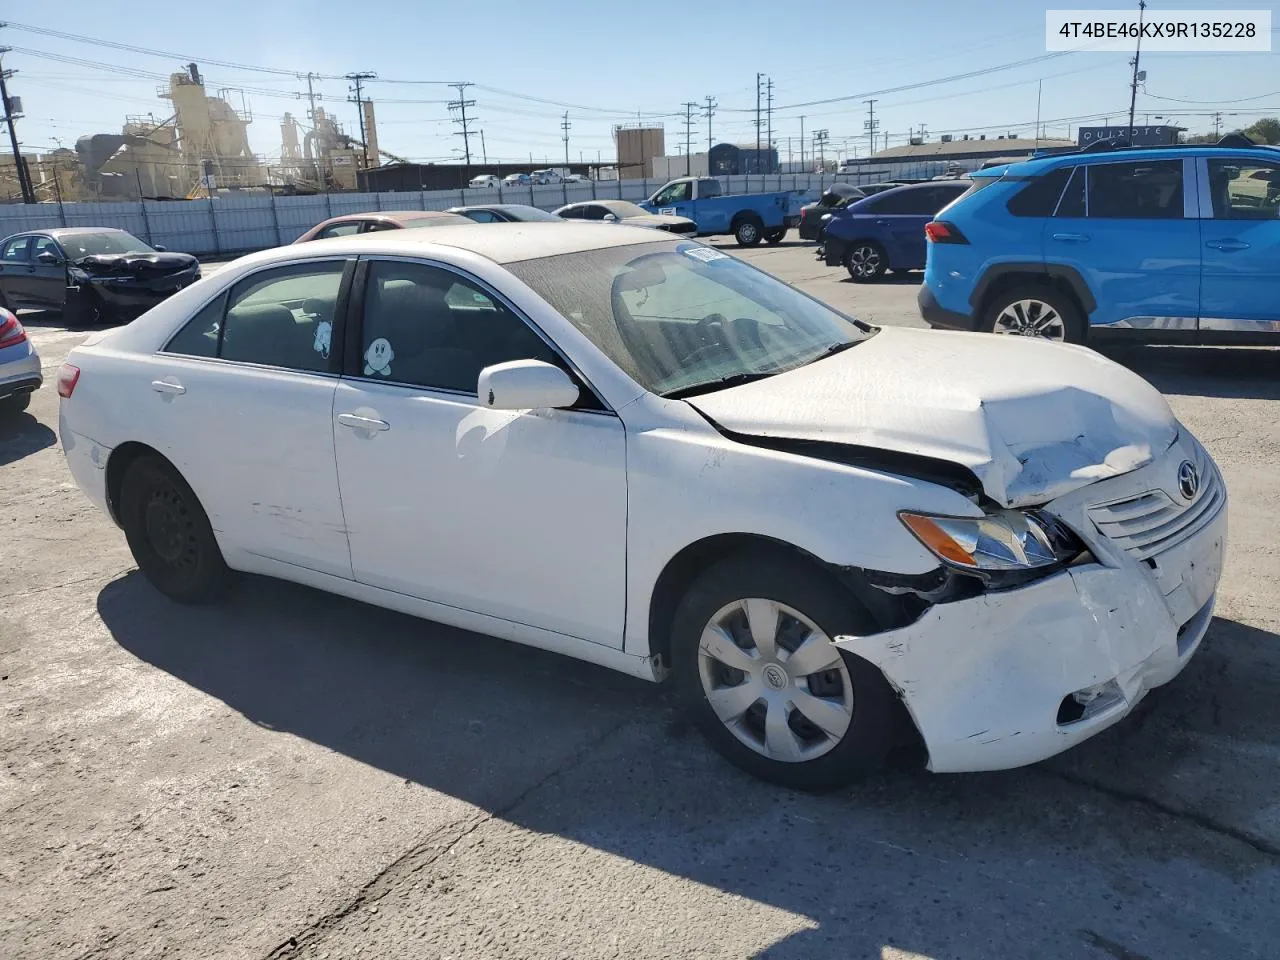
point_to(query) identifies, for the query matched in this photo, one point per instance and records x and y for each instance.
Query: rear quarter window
(1039, 196)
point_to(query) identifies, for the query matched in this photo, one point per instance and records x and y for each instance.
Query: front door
(48, 281)
(519, 515)
(241, 400)
(1240, 288)
(1131, 230)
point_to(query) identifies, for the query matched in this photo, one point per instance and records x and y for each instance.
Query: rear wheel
(748, 231)
(1035, 311)
(866, 261)
(15, 404)
(752, 651)
(169, 533)
(774, 237)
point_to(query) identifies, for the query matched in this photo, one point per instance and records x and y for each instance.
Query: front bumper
(986, 679)
(938, 316)
(138, 296)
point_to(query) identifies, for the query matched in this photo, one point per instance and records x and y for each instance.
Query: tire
(748, 231)
(866, 261)
(169, 533)
(14, 405)
(774, 237)
(849, 686)
(1035, 310)
(82, 310)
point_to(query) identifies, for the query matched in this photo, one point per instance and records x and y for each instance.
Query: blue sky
(622, 61)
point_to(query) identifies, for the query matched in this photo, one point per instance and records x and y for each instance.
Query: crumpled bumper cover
(984, 678)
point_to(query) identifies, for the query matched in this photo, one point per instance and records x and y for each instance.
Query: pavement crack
(1203, 821)
(432, 848)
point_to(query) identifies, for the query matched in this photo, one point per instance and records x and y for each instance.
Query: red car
(353, 223)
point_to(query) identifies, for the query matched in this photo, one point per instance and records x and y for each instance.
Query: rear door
(1240, 229)
(1131, 230)
(900, 219)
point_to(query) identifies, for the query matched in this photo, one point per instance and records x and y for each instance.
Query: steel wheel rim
(775, 680)
(864, 261)
(1031, 318)
(170, 528)
(747, 232)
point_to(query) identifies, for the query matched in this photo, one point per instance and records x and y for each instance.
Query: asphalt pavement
(296, 775)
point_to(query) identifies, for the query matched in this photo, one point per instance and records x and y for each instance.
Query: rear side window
(1039, 196)
(1145, 190)
(976, 184)
(199, 338)
(708, 188)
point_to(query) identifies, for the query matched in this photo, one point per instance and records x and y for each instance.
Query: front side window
(594, 212)
(1244, 189)
(573, 213)
(1143, 190)
(679, 317)
(45, 245)
(281, 318)
(432, 328)
(16, 249)
(481, 216)
(350, 228)
(674, 193)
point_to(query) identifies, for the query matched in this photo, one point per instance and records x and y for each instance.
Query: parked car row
(491, 181)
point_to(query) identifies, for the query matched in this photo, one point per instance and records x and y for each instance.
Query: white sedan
(634, 449)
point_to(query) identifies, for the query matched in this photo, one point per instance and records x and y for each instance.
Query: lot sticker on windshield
(377, 359)
(324, 336)
(705, 254)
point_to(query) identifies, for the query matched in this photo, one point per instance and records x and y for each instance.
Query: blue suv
(1169, 244)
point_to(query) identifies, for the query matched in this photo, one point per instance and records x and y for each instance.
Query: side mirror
(49, 258)
(610, 218)
(159, 247)
(525, 385)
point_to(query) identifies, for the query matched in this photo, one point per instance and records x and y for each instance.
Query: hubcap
(747, 231)
(864, 261)
(775, 680)
(1031, 318)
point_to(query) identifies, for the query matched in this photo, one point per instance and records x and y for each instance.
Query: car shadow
(908, 278)
(1227, 372)
(22, 435)
(882, 864)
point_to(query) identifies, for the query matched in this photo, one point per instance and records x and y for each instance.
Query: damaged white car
(636, 450)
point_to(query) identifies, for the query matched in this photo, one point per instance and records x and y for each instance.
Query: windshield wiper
(834, 349)
(709, 386)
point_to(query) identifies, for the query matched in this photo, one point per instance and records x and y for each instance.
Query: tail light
(939, 231)
(11, 331)
(68, 377)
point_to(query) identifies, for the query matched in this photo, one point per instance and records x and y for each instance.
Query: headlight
(999, 542)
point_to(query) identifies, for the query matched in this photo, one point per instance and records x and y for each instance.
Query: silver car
(19, 365)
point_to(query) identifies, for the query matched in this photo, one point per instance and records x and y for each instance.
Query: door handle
(168, 386)
(1071, 237)
(362, 423)
(882, 223)
(1227, 245)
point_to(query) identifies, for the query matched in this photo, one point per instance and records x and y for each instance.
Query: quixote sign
(1138, 136)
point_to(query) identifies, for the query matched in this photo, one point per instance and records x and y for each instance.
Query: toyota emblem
(1188, 480)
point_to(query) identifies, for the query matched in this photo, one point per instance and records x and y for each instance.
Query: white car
(485, 181)
(545, 177)
(634, 449)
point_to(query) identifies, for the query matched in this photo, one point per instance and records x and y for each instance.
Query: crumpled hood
(136, 264)
(1031, 419)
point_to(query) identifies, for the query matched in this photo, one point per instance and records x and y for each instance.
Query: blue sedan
(886, 231)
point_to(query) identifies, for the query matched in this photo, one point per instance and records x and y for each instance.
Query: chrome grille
(1152, 522)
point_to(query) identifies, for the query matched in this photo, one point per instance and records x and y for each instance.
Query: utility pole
(871, 125)
(358, 79)
(12, 111)
(820, 138)
(769, 114)
(924, 133)
(321, 156)
(484, 154)
(1137, 52)
(1217, 125)
(802, 141)
(759, 77)
(689, 107)
(461, 105)
(708, 110)
(564, 125)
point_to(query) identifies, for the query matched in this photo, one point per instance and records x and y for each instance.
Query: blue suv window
(1039, 198)
(1141, 190)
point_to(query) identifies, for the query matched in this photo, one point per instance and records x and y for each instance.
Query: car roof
(499, 242)
(1034, 166)
(56, 232)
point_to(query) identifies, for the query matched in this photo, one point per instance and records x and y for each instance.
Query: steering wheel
(708, 343)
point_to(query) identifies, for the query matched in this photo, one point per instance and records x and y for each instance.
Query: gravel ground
(296, 775)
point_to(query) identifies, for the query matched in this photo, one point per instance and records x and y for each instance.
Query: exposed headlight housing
(1004, 545)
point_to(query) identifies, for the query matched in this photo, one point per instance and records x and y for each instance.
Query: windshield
(679, 316)
(523, 212)
(623, 208)
(77, 245)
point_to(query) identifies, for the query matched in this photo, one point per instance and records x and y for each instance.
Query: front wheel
(1035, 311)
(748, 232)
(169, 533)
(865, 261)
(774, 237)
(752, 652)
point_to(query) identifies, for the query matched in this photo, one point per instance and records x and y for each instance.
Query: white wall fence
(233, 223)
